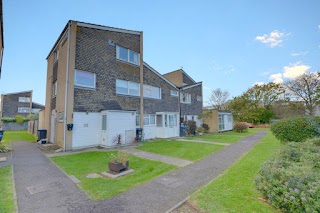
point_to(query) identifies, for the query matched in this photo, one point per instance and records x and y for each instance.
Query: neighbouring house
(218, 120)
(98, 87)
(1, 36)
(190, 93)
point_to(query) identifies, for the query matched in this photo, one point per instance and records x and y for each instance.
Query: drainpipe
(141, 83)
(66, 94)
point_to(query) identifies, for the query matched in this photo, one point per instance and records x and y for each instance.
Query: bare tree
(306, 87)
(219, 99)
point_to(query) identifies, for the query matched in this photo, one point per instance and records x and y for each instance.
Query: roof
(190, 86)
(12, 93)
(37, 105)
(93, 26)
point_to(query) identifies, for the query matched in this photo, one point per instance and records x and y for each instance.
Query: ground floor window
(148, 120)
(221, 122)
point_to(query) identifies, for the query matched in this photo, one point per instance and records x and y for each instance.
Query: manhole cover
(43, 187)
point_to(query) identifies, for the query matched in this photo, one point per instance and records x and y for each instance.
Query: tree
(219, 98)
(306, 87)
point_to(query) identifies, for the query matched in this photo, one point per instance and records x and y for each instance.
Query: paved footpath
(42, 187)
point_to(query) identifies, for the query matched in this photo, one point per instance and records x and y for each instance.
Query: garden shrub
(191, 127)
(200, 129)
(296, 129)
(4, 148)
(8, 119)
(206, 127)
(19, 119)
(290, 180)
(240, 127)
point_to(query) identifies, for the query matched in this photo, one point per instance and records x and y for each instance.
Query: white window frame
(185, 98)
(148, 117)
(174, 93)
(145, 86)
(128, 88)
(82, 85)
(23, 109)
(54, 89)
(24, 99)
(128, 59)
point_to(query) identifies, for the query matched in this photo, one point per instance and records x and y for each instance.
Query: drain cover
(43, 187)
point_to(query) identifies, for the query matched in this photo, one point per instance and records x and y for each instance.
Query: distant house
(19, 103)
(218, 120)
(190, 93)
(99, 87)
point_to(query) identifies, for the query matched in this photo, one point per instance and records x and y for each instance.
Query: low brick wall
(15, 126)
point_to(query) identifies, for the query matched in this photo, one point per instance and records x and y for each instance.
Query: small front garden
(234, 190)
(10, 136)
(6, 190)
(225, 137)
(82, 164)
(184, 150)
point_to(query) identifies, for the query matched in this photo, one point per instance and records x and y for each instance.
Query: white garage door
(86, 129)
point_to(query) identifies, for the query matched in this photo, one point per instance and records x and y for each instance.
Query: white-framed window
(149, 120)
(84, 79)
(229, 118)
(24, 99)
(56, 55)
(151, 92)
(127, 87)
(54, 89)
(137, 120)
(23, 110)
(185, 98)
(174, 93)
(221, 122)
(127, 55)
(199, 98)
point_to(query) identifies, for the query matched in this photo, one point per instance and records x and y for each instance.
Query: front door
(104, 138)
(53, 126)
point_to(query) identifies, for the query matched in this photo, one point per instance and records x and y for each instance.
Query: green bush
(4, 148)
(200, 129)
(296, 129)
(19, 119)
(240, 127)
(290, 180)
(191, 127)
(206, 127)
(8, 119)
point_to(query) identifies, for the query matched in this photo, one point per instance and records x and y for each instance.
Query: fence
(14, 126)
(33, 127)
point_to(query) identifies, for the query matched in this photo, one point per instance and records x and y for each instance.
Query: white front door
(104, 138)
(53, 126)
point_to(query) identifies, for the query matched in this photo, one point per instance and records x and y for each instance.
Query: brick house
(190, 92)
(98, 82)
(20, 103)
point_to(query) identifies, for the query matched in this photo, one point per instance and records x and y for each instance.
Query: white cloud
(299, 53)
(294, 70)
(273, 39)
(276, 78)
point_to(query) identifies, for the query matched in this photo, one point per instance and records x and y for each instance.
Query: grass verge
(226, 137)
(184, 150)
(10, 136)
(6, 190)
(234, 190)
(82, 164)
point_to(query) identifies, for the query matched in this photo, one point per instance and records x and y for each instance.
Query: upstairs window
(174, 93)
(23, 110)
(54, 89)
(151, 92)
(24, 99)
(127, 55)
(56, 55)
(127, 88)
(185, 98)
(85, 79)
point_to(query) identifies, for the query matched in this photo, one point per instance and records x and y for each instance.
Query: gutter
(66, 94)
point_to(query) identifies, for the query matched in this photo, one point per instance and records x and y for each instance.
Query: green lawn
(234, 190)
(82, 164)
(17, 136)
(184, 150)
(226, 137)
(6, 190)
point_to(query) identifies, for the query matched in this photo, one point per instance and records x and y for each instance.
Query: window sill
(129, 96)
(126, 62)
(84, 88)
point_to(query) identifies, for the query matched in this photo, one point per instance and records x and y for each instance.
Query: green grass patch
(82, 164)
(6, 190)
(225, 137)
(10, 136)
(234, 190)
(184, 150)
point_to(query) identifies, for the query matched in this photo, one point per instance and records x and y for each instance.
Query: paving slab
(151, 156)
(206, 142)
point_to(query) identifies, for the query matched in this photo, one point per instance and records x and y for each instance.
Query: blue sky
(228, 44)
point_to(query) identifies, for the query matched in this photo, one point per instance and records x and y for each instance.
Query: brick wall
(195, 108)
(11, 104)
